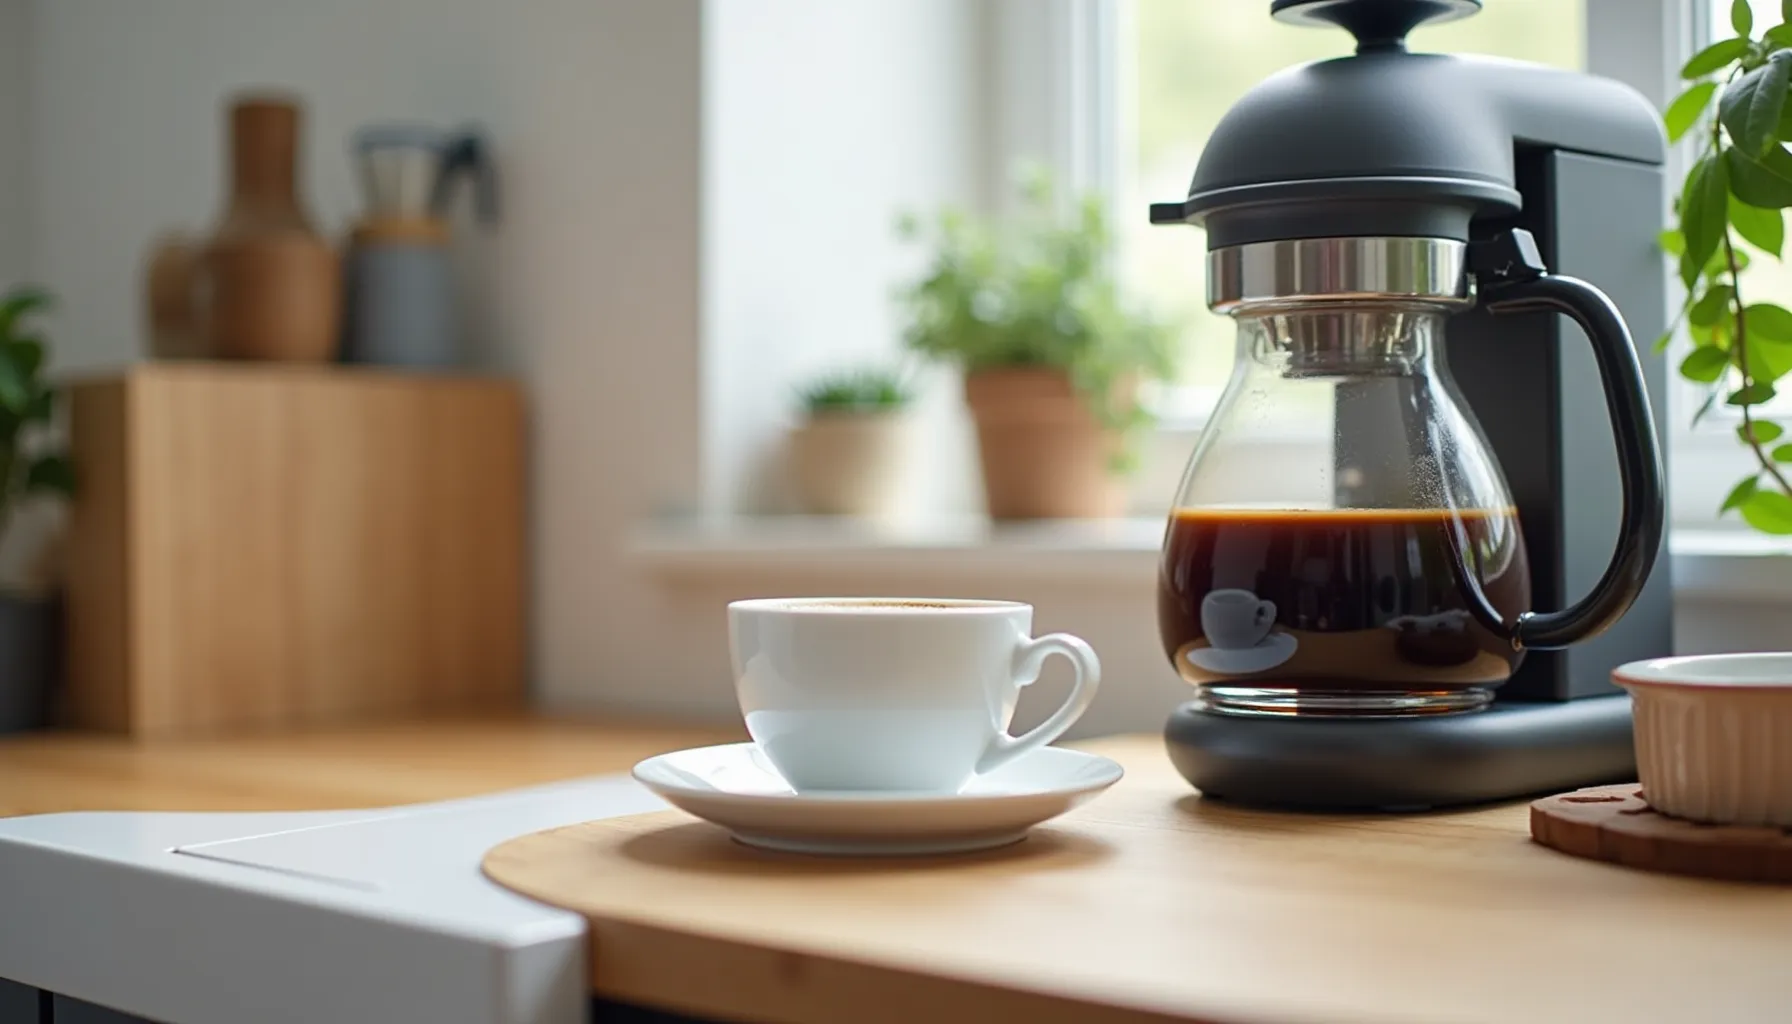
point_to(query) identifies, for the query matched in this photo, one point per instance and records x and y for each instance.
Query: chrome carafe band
(1306, 272)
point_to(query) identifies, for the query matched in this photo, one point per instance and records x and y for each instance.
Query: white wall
(789, 156)
(822, 120)
(15, 141)
(594, 107)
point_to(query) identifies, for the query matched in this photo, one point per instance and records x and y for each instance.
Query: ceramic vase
(269, 287)
(170, 277)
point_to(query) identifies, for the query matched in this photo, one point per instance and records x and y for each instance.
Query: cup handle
(1266, 612)
(1029, 658)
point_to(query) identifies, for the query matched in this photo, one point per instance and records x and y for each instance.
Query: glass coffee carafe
(1343, 541)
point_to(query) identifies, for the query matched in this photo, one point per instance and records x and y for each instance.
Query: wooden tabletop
(1151, 903)
(368, 766)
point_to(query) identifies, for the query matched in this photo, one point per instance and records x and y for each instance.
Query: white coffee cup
(894, 694)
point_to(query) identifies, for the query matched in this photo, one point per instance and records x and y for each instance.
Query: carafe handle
(1511, 278)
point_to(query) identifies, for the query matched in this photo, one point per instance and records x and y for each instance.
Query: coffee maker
(1456, 189)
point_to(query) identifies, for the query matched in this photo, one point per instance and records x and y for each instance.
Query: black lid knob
(1376, 24)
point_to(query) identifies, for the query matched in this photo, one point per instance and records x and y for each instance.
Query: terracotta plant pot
(1044, 454)
(269, 287)
(851, 464)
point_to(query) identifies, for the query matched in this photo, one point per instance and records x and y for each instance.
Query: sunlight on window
(1190, 66)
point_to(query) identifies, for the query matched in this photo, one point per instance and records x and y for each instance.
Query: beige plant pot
(1044, 454)
(851, 464)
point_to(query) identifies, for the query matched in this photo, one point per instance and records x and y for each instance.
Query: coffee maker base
(1512, 749)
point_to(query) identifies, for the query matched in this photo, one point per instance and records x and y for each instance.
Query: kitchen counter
(327, 769)
(1147, 904)
(1152, 904)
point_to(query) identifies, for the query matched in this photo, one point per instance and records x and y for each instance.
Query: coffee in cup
(891, 693)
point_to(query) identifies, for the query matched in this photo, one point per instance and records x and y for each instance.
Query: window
(1148, 79)
(1707, 459)
(1183, 67)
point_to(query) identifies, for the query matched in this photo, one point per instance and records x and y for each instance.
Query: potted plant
(1052, 353)
(28, 632)
(850, 453)
(1736, 114)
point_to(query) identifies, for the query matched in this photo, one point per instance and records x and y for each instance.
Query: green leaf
(1768, 322)
(1751, 105)
(1704, 365)
(1672, 242)
(15, 384)
(1684, 112)
(1711, 306)
(51, 473)
(1765, 180)
(1765, 432)
(42, 407)
(1757, 393)
(1713, 57)
(1704, 208)
(1741, 18)
(1689, 271)
(1768, 360)
(1768, 511)
(28, 351)
(1763, 229)
(1704, 407)
(1783, 453)
(1742, 492)
(18, 304)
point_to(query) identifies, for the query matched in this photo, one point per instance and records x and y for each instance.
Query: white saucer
(1268, 652)
(735, 787)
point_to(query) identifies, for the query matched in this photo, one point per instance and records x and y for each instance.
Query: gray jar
(399, 307)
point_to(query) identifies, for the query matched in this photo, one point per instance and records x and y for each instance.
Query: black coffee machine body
(1389, 144)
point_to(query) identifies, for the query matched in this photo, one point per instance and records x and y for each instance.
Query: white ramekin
(1714, 736)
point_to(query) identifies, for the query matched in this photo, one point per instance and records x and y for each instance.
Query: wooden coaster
(1616, 823)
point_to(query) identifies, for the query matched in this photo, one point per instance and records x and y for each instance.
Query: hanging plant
(1734, 196)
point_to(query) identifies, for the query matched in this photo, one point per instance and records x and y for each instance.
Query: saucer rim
(1111, 768)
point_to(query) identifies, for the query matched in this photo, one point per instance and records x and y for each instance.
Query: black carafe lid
(1392, 143)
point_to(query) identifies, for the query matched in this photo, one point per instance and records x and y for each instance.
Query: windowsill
(1709, 564)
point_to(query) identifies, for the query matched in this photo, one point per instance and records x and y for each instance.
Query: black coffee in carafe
(1341, 599)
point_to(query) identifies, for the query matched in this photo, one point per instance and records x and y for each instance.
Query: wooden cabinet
(266, 546)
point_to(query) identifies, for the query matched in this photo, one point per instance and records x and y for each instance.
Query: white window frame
(1061, 93)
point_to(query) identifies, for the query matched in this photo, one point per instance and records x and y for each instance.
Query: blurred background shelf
(267, 546)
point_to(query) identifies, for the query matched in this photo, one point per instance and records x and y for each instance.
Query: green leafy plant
(1037, 290)
(1734, 197)
(858, 391)
(27, 465)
